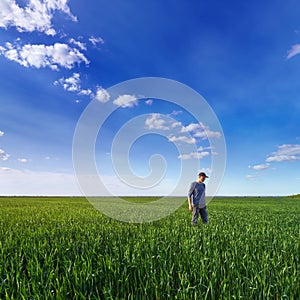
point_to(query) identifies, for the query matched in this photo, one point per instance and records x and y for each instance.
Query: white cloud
(285, 152)
(126, 101)
(85, 92)
(71, 84)
(1, 133)
(201, 148)
(196, 130)
(207, 134)
(176, 112)
(182, 138)
(260, 167)
(194, 155)
(96, 40)
(204, 132)
(180, 134)
(252, 177)
(149, 102)
(191, 127)
(42, 56)
(4, 169)
(186, 134)
(295, 49)
(36, 16)
(281, 158)
(4, 155)
(200, 130)
(155, 121)
(23, 160)
(80, 45)
(176, 124)
(102, 95)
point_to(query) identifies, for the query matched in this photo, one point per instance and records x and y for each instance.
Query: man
(196, 199)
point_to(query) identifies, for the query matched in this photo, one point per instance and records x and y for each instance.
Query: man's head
(202, 176)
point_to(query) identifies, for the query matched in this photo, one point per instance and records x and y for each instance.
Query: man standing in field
(196, 199)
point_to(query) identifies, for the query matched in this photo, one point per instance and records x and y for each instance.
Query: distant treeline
(294, 196)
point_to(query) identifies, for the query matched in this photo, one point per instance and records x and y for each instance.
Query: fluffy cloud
(149, 102)
(191, 127)
(204, 132)
(295, 49)
(176, 112)
(42, 56)
(252, 176)
(184, 134)
(102, 95)
(36, 16)
(73, 84)
(200, 153)
(281, 158)
(260, 167)
(285, 152)
(200, 130)
(4, 155)
(96, 40)
(23, 160)
(182, 139)
(207, 134)
(126, 101)
(192, 155)
(4, 169)
(80, 45)
(155, 121)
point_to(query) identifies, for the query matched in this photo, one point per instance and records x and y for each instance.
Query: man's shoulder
(192, 186)
(199, 184)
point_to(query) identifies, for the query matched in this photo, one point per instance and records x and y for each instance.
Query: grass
(62, 248)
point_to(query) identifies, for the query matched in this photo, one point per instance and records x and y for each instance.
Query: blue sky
(56, 58)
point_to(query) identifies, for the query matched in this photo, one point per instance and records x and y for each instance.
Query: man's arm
(190, 193)
(190, 203)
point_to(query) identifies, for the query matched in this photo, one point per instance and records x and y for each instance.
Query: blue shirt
(197, 194)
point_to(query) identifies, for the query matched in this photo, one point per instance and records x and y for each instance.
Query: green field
(63, 248)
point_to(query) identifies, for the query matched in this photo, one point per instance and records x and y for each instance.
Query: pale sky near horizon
(56, 57)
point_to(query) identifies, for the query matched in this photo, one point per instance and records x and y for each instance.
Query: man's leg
(204, 214)
(195, 215)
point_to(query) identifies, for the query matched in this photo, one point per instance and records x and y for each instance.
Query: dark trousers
(199, 211)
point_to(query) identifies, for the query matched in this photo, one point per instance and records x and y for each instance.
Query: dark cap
(203, 174)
